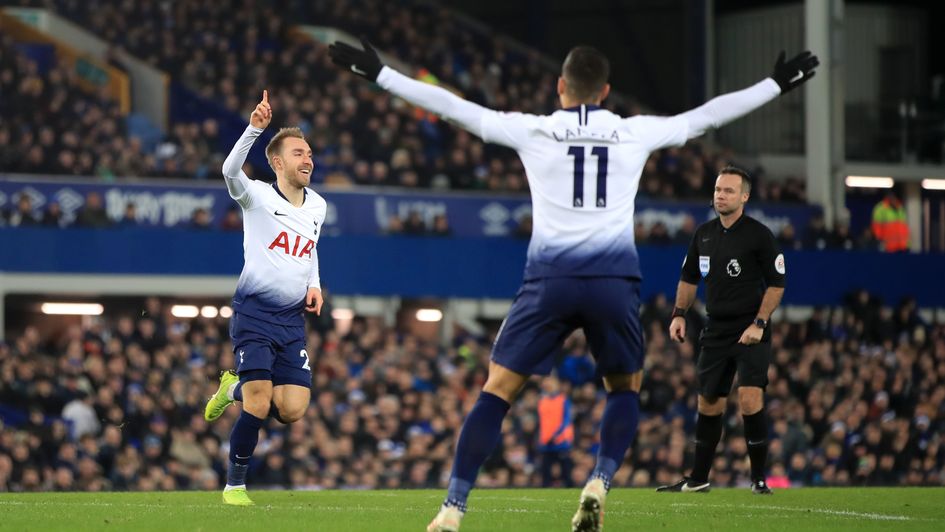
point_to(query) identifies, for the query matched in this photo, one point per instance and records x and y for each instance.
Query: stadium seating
(856, 398)
(359, 136)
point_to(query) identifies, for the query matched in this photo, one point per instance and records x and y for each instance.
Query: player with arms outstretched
(281, 224)
(583, 165)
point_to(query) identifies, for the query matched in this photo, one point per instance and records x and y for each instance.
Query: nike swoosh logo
(277, 213)
(800, 74)
(706, 239)
(358, 71)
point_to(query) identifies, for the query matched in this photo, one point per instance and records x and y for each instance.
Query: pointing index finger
(265, 97)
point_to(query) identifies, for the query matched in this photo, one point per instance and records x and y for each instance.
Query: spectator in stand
(441, 226)
(53, 216)
(817, 236)
(395, 225)
(555, 434)
(23, 214)
(890, 227)
(93, 212)
(787, 238)
(200, 219)
(523, 228)
(659, 235)
(840, 237)
(232, 220)
(684, 233)
(414, 224)
(130, 217)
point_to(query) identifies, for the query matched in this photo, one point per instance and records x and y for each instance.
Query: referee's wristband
(679, 312)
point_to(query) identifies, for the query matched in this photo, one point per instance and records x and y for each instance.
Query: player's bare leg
(478, 438)
(289, 402)
(618, 428)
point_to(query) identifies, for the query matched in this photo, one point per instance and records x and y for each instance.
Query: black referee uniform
(738, 264)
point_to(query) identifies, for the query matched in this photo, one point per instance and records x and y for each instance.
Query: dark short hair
(585, 70)
(734, 170)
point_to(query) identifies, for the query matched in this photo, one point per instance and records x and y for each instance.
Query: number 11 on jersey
(578, 153)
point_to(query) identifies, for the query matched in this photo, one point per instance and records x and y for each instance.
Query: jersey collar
(582, 111)
(586, 106)
(279, 192)
(734, 226)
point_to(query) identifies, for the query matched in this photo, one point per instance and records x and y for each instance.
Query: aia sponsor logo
(300, 247)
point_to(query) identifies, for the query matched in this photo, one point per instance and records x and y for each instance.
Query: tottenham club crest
(733, 268)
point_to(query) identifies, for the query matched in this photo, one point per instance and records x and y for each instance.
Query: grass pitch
(539, 510)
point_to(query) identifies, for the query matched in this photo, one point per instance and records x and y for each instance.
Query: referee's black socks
(708, 434)
(756, 436)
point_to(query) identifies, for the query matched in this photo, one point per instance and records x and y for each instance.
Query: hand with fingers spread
(364, 63)
(794, 72)
(262, 115)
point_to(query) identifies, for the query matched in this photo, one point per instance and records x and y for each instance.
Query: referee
(743, 268)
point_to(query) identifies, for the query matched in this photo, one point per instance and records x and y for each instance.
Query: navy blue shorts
(279, 349)
(546, 311)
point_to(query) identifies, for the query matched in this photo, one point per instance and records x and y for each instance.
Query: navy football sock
(618, 428)
(242, 444)
(238, 392)
(477, 440)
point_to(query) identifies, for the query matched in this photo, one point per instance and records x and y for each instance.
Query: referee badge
(704, 265)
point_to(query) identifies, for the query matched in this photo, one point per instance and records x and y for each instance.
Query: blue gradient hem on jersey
(254, 307)
(610, 263)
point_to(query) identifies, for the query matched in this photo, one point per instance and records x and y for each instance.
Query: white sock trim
(231, 488)
(230, 390)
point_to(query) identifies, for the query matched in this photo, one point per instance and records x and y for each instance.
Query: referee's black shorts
(717, 367)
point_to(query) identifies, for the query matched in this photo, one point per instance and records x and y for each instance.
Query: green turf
(519, 510)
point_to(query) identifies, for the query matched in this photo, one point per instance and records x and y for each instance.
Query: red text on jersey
(282, 242)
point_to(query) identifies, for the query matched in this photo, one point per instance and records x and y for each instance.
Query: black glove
(791, 74)
(364, 63)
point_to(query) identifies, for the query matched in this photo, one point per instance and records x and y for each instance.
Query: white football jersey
(279, 245)
(583, 166)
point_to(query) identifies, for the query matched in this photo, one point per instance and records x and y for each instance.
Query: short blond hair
(275, 145)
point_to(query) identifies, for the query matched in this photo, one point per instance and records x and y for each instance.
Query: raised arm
(367, 64)
(237, 182)
(725, 108)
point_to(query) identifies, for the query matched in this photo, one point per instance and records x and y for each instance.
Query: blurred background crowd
(360, 136)
(857, 397)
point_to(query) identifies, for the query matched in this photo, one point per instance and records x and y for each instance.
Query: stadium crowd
(359, 136)
(857, 397)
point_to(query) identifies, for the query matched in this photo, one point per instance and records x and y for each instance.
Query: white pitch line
(623, 512)
(825, 511)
